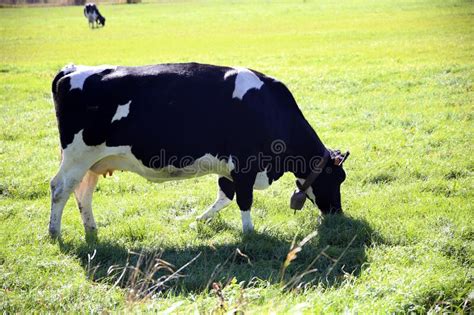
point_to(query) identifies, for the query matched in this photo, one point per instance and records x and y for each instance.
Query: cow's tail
(55, 86)
(56, 96)
(55, 89)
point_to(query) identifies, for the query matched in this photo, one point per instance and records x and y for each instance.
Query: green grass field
(390, 80)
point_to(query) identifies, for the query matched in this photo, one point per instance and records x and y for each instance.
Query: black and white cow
(176, 121)
(91, 12)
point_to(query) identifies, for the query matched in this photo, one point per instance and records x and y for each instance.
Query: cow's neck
(307, 145)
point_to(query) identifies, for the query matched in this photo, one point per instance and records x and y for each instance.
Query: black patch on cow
(227, 187)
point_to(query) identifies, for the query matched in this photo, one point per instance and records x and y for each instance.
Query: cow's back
(181, 109)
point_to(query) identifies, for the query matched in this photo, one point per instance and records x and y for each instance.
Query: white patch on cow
(92, 16)
(122, 112)
(108, 159)
(309, 192)
(79, 153)
(247, 225)
(124, 160)
(261, 181)
(245, 80)
(79, 74)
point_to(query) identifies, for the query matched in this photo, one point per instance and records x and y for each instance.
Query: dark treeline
(61, 2)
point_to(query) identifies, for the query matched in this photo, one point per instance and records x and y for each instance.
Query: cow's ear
(338, 157)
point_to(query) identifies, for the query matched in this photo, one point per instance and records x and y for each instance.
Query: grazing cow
(91, 12)
(177, 121)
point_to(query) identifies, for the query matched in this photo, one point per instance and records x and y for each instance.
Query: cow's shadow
(336, 251)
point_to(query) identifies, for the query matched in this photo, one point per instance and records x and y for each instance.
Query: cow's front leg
(225, 195)
(62, 186)
(244, 191)
(83, 193)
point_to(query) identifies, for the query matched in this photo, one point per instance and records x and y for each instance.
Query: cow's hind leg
(83, 194)
(225, 195)
(62, 185)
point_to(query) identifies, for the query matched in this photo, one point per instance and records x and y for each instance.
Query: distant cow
(91, 12)
(177, 121)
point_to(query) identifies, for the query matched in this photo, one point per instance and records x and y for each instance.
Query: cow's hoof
(54, 234)
(203, 218)
(194, 225)
(248, 229)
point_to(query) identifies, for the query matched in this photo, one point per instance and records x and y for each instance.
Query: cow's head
(324, 185)
(101, 20)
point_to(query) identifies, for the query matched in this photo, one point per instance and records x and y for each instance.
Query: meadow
(392, 81)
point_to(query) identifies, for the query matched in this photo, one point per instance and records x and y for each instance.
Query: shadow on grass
(342, 240)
